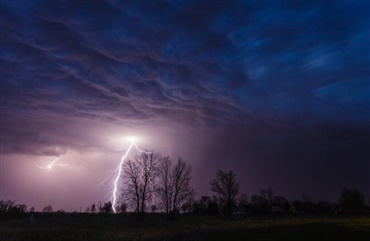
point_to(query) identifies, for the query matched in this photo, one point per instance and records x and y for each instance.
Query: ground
(157, 227)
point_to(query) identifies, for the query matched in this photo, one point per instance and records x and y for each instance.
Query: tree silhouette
(139, 175)
(186, 207)
(122, 208)
(212, 208)
(93, 208)
(6, 205)
(48, 209)
(21, 208)
(352, 200)
(173, 188)
(106, 208)
(226, 187)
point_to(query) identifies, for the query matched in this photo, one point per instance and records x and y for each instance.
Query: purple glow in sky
(277, 92)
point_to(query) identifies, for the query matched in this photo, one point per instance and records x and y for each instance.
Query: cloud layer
(124, 62)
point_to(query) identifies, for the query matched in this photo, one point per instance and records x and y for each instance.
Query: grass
(157, 227)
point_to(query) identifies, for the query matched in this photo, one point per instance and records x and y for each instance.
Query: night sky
(278, 92)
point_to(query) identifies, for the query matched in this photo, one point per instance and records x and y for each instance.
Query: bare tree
(227, 188)
(165, 186)
(174, 184)
(139, 175)
(9, 206)
(48, 209)
(6, 205)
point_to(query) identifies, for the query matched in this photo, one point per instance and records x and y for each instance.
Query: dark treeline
(157, 184)
(351, 201)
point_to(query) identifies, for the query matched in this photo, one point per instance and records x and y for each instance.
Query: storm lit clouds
(286, 84)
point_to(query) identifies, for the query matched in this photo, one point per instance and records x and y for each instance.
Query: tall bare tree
(174, 184)
(227, 188)
(139, 175)
(164, 185)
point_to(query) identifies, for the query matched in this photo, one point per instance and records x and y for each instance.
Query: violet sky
(276, 91)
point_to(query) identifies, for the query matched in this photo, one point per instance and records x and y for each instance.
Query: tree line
(153, 182)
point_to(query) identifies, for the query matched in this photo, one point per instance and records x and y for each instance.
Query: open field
(157, 227)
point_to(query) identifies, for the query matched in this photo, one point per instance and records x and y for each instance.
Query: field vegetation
(79, 226)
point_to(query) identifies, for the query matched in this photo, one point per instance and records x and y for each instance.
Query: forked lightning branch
(114, 177)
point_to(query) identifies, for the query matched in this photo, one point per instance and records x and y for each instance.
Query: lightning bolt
(116, 174)
(119, 172)
(49, 166)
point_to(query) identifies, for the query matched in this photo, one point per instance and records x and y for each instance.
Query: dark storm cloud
(133, 60)
(278, 70)
(44, 136)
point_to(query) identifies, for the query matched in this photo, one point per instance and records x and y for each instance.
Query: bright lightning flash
(116, 179)
(118, 171)
(131, 139)
(49, 166)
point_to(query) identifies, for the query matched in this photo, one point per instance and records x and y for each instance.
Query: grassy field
(156, 227)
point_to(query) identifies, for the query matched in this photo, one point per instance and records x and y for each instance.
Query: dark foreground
(156, 227)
